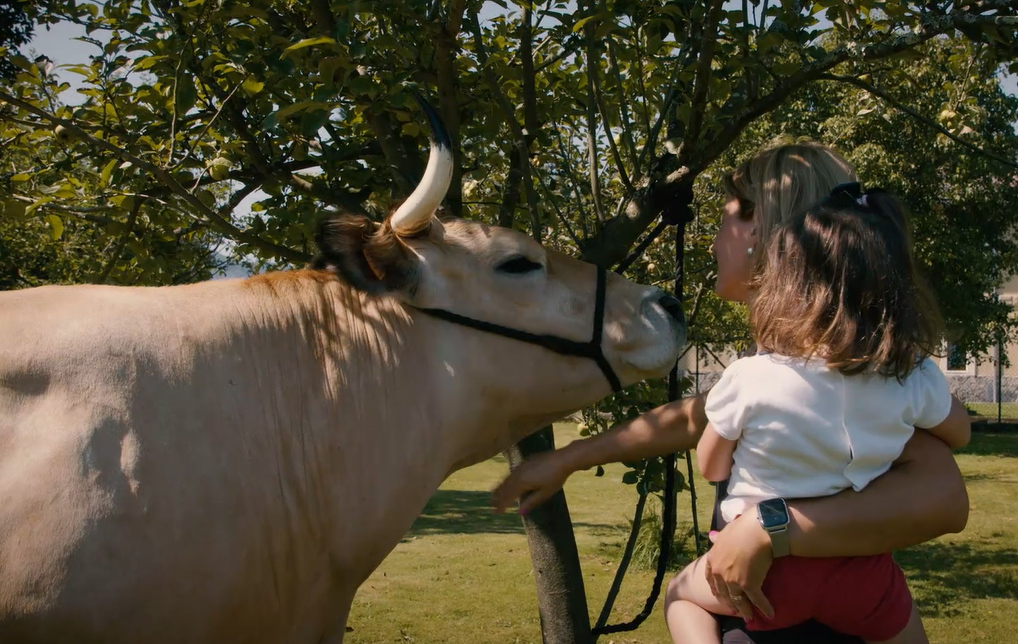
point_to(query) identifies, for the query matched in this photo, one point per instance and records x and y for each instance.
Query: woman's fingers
(534, 499)
(533, 483)
(757, 598)
(738, 564)
(504, 495)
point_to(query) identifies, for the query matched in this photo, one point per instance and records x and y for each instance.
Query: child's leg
(914, 632)
(688, 607)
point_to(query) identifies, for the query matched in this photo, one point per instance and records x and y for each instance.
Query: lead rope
(677, 211)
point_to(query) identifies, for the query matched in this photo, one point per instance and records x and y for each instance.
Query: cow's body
(211, 462)
(228, 461)
(160, 454)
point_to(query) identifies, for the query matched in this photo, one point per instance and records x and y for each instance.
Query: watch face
(773, 513)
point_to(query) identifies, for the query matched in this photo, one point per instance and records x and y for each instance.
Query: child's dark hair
(839, 282)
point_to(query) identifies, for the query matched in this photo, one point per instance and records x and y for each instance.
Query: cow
(228, 461)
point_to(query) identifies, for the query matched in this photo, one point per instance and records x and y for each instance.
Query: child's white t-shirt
(805, 430)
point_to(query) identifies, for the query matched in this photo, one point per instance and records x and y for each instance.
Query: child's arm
(714, 455)
(956, 429)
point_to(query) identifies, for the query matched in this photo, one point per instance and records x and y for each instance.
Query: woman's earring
(749, 251)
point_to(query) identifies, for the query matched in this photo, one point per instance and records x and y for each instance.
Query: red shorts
(862, 596)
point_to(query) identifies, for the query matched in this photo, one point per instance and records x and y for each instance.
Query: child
(842, 376)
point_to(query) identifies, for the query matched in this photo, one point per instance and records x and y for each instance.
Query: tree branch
(930, 27)
(510, 193)
(602, 110)
(406, 168)
(119, 248)
(548, 195)
(708, 40)
(595, 189)
(167, 179)
(446, 45)
(625, 122)
(613, 240)
(323, 15)
(574, 182)
(670, 97)
(884, 96)
(568, 48)
(530, 122)
(519, 137)
(205, 128)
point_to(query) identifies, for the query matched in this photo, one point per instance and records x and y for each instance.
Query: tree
(578, 124)
(123, 241)
(15, 30)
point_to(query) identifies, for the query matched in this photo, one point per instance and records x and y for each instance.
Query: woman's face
(732, 252)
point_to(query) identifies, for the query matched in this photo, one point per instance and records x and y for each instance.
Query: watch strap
(779, 542)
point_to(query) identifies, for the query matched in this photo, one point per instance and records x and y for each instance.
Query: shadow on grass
(469, 512)
(992, 444)
(950, 575)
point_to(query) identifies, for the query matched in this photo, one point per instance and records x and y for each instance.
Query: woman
(920, 498)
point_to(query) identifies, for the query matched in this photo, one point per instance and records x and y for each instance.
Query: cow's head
(504, 277)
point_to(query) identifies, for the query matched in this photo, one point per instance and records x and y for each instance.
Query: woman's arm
(673, 427)
(714, 455)
(920, 498)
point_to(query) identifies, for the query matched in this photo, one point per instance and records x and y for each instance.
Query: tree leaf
(252, 86)
(104, 176)
(297, 107)
(56, 226)
(582, 22)
(186, 94)
(307, 42)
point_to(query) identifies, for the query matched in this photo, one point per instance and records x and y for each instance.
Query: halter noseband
(554, 343)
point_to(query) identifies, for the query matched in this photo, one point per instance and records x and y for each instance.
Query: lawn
(1008, 410)
(463, 575)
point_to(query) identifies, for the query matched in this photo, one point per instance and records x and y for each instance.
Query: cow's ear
(366, 255)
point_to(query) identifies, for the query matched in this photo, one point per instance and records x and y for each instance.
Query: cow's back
(127, 478)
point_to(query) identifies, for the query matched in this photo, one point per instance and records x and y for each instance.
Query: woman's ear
(366, 255)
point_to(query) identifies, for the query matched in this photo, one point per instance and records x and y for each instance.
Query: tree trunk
(561, 598)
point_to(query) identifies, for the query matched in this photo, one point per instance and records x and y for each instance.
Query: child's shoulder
(768, 361)
(765, 365)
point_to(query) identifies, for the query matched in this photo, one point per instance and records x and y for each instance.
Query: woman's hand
(538, 477)
(737, 565)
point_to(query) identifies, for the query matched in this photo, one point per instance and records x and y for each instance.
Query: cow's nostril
(672, 305)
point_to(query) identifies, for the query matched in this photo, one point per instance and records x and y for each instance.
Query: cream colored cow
(228, 461)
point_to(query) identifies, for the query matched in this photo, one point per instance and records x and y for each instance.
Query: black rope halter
(562, 346)
(676, 210)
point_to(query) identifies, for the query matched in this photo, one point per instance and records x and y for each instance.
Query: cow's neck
(405, 400)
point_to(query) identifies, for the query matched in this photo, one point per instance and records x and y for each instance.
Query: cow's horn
(417, 210)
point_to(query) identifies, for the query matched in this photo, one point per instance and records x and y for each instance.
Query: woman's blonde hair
(783, 180)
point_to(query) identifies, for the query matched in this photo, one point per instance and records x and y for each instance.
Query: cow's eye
(518, 265)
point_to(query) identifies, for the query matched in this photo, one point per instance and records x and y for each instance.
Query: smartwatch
(773, 516)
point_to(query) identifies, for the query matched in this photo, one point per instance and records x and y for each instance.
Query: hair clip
(851, 189)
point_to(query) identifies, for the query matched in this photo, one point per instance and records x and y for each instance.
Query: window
(957, 360)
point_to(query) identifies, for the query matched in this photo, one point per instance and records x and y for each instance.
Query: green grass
(463, 575)
(989, 410)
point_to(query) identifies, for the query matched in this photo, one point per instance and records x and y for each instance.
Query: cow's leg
(335, 634)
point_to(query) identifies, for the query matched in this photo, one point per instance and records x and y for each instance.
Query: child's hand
(538, 477)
